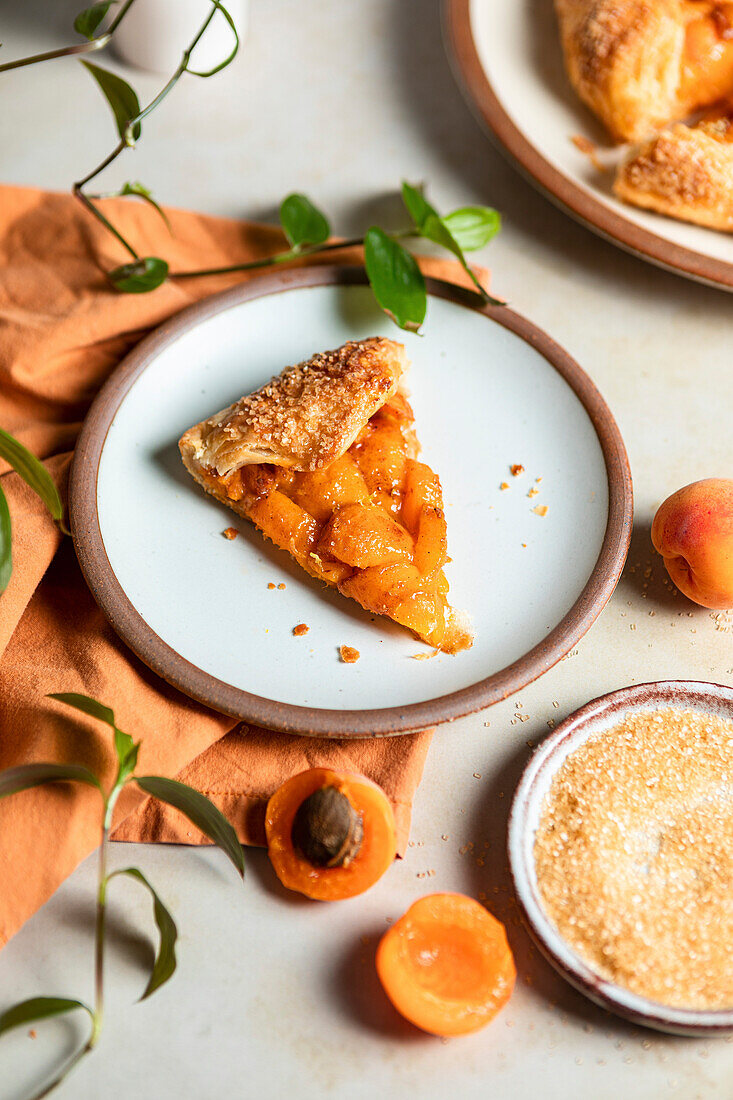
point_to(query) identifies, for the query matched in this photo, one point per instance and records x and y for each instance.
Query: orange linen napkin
(62, 331)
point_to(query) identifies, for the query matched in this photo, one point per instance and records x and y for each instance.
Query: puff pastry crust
(685, 172)
(324, 461)
(306, 417)
(641, 64)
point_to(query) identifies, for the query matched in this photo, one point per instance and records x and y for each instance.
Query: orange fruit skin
(693, 531)
(378, 846)
(446, 965)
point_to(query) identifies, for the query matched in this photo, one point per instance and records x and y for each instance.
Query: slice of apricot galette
(323, 460)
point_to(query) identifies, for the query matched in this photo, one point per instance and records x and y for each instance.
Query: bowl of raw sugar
(621, 851)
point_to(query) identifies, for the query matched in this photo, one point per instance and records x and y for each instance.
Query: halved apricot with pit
(330, 835)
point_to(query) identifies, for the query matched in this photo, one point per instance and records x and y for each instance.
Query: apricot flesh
(693, 531)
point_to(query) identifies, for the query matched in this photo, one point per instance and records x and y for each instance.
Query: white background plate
(519, 86)
(484, 398)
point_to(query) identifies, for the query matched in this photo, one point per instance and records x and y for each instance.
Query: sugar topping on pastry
(306, 417)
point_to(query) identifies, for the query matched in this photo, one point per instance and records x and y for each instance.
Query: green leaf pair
(393, 272)
(35, 474)
(197, 808)
(126, 749)
(466, 229)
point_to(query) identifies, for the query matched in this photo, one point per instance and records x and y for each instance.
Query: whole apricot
(693, 531)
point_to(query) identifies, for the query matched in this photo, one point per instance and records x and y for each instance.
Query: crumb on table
(300, 629)
(540, 510)
(349, 655)
(270, 585)
(533, 492)
(230, 533)
(516, 469)
(281, 585)
(504, 485)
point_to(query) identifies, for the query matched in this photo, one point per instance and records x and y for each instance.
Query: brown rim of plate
(562, 191)
(545, 759)
(285, 717)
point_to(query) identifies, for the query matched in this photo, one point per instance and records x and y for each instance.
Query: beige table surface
(277, 997)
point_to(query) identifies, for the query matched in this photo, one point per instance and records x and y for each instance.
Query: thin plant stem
(65, 51)
(79, 47)
(99, 928)
(87, 202)
(99, 945)
(48, 1089)
(286, 257)
(128, 140)
(119, 17)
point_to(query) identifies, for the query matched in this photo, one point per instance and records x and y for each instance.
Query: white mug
(154, 33)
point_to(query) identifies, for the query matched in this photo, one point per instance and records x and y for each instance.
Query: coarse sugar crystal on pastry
(686, 172)
(323, 460)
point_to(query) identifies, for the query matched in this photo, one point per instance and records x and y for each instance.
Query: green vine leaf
(472, 227)
(302, 222)
(121, 98)
(88, 20)
(165, 959)
(6, 543)
(396, 280)
(434, 229)
(139, 276)
(144, 193)
(86, 705)
(33, 472)
(125, 747)
(39, 1008)
(26, 776)
(198, 809)
(416, 204)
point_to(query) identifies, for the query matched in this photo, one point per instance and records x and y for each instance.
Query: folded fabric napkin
(63, 330)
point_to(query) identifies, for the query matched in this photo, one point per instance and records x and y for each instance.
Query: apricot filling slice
(342, 490)
(330, 835)
(446, 965)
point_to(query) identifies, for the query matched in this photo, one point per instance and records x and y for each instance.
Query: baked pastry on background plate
(641, 64)
(685, 172)
(323, 459)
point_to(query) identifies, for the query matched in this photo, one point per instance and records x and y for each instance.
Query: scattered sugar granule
(634, 856)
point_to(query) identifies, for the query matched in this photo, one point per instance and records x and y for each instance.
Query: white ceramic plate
(589, 722)
(197, 607)
(509, 60)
